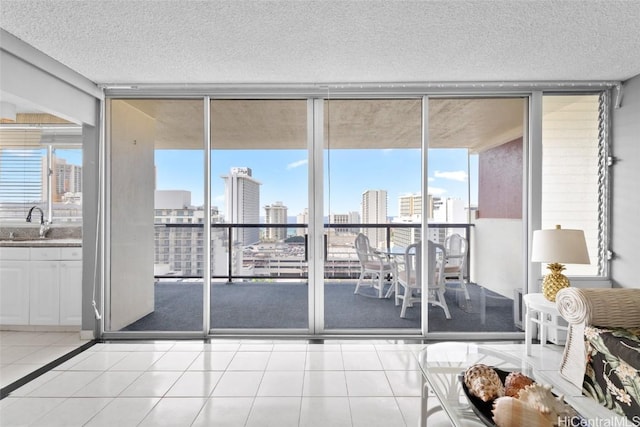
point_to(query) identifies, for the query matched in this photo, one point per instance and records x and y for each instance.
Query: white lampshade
(559, 245)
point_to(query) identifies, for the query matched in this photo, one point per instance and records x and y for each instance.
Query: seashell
(541, 398)
(512, 412)
(515, 382)
(483, 382)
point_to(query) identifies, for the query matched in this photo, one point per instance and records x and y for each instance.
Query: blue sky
(284, 175)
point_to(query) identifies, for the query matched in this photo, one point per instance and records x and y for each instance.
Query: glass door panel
(156, 215)
(475, 176)
(372, 185)
(259, 193)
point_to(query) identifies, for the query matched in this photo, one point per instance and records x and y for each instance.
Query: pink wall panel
(500, 181)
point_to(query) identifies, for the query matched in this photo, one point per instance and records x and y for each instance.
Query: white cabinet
(14, 289)
(44, 293)
(70, 274)
(41, 286)
(14, 294)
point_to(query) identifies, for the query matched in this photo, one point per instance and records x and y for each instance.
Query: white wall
(497, 261)
(132, 215)
(625, 235)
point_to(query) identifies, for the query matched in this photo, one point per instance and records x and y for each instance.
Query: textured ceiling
(332, 41)
(477, 124)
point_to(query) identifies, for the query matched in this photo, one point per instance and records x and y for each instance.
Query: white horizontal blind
(21, 181)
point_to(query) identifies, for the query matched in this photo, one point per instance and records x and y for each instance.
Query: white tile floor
(225, 383)
(22, 352)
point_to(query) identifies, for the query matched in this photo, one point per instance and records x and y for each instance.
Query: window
(46, 176)
(574, 173)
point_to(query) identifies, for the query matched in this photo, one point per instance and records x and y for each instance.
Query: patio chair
(456, 248)
(372, 264)
(410, 277)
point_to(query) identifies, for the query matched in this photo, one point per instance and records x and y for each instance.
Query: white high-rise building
(179, 250)
(302, 218)
(410, 212)
(348, 218)
(276, 214)
(450, 211)
(172, 199)
(242, 201)
(410, 205)
(374, 211)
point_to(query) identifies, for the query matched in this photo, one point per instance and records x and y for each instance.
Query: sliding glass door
(476, 211)
(373, 189)
(292, 184)
(259, 230)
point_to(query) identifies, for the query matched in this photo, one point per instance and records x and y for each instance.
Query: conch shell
(515, 382)
(540, 398)
(483, 382)
(512, 412)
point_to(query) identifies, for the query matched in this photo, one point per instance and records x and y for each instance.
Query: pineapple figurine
(554, 281)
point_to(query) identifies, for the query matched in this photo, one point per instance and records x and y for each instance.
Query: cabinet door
(44, 293)
(14, 292)
(70, 292)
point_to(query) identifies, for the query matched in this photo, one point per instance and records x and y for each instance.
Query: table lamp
(557, 246)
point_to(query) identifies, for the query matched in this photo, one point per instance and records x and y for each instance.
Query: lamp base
(554, 281)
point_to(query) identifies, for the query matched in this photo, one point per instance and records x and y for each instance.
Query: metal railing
(179, 250)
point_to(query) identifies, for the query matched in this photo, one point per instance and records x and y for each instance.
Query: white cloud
(452, 175)
(435, 191)
(431, 179)
(297, 164)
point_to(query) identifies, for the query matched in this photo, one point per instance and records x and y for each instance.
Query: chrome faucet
(44, 226)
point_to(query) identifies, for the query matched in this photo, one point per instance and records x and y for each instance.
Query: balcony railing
(180, 250)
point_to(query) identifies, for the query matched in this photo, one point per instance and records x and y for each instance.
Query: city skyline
(283, 175)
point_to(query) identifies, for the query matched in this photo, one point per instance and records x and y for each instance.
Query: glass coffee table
(442, 365)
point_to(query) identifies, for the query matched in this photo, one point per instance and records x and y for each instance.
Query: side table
(542, 312)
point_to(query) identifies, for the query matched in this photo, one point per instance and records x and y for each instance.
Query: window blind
(21, 181)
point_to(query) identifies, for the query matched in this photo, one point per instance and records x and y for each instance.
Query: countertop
(40, 243)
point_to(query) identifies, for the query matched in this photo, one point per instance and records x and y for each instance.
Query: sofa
(602, 352)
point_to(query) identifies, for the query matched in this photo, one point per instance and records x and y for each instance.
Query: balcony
(265, 285)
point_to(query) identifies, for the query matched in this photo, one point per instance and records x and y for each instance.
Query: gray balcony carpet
(178, 307)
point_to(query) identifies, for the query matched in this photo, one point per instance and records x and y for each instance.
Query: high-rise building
(337, 219)
(409, 212)
(451, 210)
(172, 199)
(302, 218)
(433, 205)
(410, 205)
(66, 180)
(275, 214)
(242, 202)
(179, 250)
(374, 211)
(348, 218)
